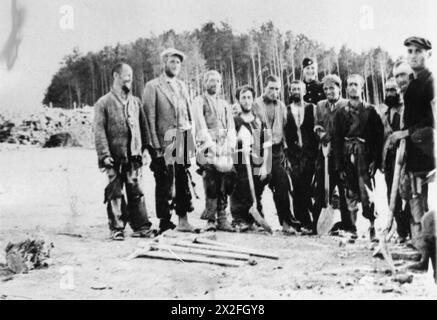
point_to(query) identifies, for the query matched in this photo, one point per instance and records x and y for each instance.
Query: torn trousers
(414, 189)
(119, 211)
(356, 167)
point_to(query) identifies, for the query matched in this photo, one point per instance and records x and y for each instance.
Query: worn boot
(117, 235)
(166, 224)
(223, 224)
(210, 226)
(422, 265)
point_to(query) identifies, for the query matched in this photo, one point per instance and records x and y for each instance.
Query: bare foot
(288, 230)
(185, 226)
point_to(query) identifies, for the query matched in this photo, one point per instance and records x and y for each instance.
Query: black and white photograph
(218, 150)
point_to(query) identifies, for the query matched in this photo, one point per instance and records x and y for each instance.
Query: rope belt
(354, 146)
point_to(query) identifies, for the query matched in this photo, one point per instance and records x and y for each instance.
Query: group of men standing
(262, 142)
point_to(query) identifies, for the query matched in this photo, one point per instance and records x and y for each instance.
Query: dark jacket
(314, 92)
(367, 126)
(119, 132)
(309, 146)
(417, 116)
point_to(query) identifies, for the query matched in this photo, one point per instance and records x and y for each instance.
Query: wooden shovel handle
(325, 150)
(395, 184)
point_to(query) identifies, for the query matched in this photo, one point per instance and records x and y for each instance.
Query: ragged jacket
(160, 109)
(280, 118)
(366, 128)
(325, 117)
(214, 121)
(120, 131)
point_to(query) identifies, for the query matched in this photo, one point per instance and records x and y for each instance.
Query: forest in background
(245, 58)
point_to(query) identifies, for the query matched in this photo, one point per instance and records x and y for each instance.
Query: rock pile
(47, 125)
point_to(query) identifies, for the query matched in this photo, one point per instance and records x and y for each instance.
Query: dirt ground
(53, 191)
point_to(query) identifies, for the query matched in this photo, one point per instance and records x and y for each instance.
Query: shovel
(254, 209)
(326, 219)
(400, 153)
(388, 232)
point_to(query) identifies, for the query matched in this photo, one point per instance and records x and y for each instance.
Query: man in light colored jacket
(216, 140)
(168, 111)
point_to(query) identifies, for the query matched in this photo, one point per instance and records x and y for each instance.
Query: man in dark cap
(168, 111)
(418, 134)
(314, 89)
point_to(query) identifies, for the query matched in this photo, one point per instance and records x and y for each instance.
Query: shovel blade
(258, 218)
(326, 221)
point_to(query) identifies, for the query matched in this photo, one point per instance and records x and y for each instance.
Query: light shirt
(298, 113)
(183, 122)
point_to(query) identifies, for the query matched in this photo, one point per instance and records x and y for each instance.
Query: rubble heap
(39, 127)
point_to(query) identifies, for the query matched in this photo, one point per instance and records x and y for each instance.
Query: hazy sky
(101, 22)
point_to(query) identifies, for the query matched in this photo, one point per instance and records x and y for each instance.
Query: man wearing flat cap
(168, 111)
(419, 135)
(314, 89)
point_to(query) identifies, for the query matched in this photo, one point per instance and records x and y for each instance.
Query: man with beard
(215, 138)
(168, 111)
(273, 113)
(402, 72)
(419, 137)
(314, 89)
(252, 139)
(392, 114)
(302, 152)
(120, 132)
(324, 129)
(358, 140)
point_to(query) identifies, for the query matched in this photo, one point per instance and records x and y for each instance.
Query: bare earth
(48, 192)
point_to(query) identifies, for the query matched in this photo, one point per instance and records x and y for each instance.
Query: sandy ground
(48, 192)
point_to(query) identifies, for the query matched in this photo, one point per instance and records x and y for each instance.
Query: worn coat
(325, 117)
(369, 128)
(280, 118)
(119, 131)
(160, 109)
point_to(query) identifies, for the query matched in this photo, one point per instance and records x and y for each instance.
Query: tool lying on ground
(327, 216)
(198, 249)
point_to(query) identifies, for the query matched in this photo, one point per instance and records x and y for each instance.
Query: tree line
(245, 58)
